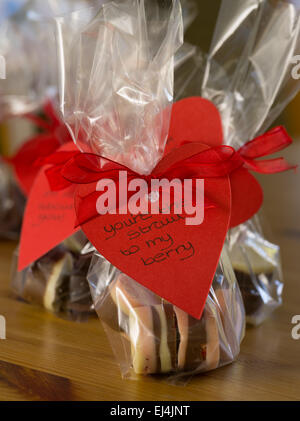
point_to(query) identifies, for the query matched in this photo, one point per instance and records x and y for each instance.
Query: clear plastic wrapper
(189, 12)
(189, 74)
(12, 204)
(25, 46)
(151, 336)
(254, 43)
(257, 267)
(116, 73)
(58, 280)
(116, 81)
(248, 76)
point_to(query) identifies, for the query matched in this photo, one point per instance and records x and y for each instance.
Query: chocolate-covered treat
(251, 296)
(80, 300)
(254, 275)
(58, 282)
(152, 334)
(46, 282)
(122, 298)
(192, 340)
(163, 338)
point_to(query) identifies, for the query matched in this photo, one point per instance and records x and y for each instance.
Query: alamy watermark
(2, 67)
(2, 327)
(157, 196)
(296, 328)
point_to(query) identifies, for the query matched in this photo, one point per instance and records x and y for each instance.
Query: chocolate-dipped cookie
(152, 333)
(192, 340)
(122, 297)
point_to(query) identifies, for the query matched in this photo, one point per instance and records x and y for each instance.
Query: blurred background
(199, 31)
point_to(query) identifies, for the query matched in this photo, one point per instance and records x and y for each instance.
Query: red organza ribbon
(219, 161)
(67, 168)
(271, 142)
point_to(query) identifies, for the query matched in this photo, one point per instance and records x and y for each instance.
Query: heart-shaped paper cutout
(48, 220)
(194, 119)
(167, 258)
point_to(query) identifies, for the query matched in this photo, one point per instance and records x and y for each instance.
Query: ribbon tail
(269, 166)
(270, 142)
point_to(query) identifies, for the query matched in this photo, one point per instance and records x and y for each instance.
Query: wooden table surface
(46, 358)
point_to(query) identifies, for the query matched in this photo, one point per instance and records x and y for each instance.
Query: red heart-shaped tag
(172, 259)
(48, 220)
(196, 119)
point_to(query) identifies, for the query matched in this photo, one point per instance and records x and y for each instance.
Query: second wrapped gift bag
(248, 75)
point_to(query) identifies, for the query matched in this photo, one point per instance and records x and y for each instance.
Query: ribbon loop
(270, 142)
(269, 166)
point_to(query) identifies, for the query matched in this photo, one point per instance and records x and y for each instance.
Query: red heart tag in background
(24, 164)
(194, 119)
(172, 259)
(48, 220)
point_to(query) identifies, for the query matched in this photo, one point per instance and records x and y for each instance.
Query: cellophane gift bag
(117, 79)
(248, 75)
(256, 49)
(149, 335)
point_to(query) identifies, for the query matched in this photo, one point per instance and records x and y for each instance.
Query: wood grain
(46, 358)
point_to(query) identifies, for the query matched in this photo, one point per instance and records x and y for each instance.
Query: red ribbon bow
(84, 168)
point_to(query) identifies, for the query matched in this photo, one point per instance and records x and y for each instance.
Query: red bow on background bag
(172, 259)
(26, 162)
